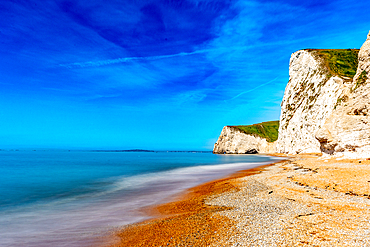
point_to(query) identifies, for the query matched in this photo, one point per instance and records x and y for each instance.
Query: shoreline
(186, 219)
(305, 200)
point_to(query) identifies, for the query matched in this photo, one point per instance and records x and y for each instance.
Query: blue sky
(162, 74)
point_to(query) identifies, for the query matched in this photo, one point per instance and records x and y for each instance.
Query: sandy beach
(307, 200)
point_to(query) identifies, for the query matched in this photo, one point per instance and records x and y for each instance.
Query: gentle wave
(78, 220)
(203, 171)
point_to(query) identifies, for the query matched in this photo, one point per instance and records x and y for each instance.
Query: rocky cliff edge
(234, 140)
(346, 132)
(325, 108)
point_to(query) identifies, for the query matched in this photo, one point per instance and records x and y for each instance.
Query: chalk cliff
(309, 98)
(347, 130)
(325, 108)
(235, 141)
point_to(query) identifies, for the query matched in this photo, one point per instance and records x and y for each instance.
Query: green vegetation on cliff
(360, 80)
(268, 130)
(342, 62)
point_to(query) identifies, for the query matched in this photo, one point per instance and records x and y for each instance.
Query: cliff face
(309, 98)
(233, 141)
(325, 108)
(347, 130)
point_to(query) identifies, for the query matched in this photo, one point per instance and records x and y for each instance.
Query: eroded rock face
(363, 60)
(347, 130)
(234, 141)
(319, 112)
(309, 98)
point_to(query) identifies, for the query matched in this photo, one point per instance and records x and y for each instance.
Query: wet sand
(189, 220)
(305, 201)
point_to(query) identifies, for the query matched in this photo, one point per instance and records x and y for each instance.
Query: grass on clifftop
(268, 130)
(342, 62)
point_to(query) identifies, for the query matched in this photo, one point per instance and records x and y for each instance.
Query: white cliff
(309, 98)
(323, 108)
(346, 131)
(234, 141)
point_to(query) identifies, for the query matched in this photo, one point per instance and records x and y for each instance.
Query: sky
(159, 74)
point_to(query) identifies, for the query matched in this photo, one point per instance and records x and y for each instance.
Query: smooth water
(69, 198)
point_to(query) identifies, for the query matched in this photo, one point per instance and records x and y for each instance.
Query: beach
(73, 198)
(307, 200)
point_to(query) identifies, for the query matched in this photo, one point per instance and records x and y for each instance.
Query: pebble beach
(306, 200)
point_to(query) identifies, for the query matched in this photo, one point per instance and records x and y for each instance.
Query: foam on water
(79, 219)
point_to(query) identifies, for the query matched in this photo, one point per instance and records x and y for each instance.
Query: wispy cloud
(191, 97)
(219, 50)
(105, 62)
(125, 60)
(251, 90)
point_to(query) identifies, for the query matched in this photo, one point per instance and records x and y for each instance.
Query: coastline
(188, 219)
(122, 184)
(306, 200)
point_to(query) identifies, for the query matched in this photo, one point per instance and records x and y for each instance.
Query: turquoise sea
(70, 198)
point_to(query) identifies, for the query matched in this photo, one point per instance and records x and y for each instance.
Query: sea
(73, 198)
